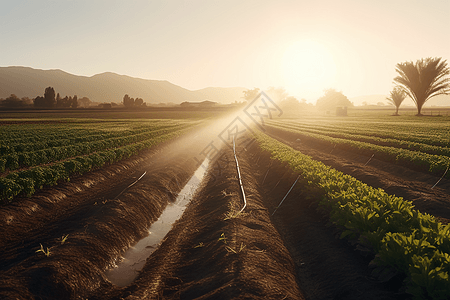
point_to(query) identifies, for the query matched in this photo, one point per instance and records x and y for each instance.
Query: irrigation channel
(134, 258)
(215, 250)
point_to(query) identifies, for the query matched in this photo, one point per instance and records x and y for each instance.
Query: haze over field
(303, 46)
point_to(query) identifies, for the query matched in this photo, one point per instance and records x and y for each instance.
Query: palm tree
(396, 98)
(424, 79)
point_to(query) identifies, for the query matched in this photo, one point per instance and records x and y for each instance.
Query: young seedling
(229, 249)
(64, 239)
(241, 247)
(226, 194)
(231, 215)
(46, 253)
(200, 245)
(223, 238)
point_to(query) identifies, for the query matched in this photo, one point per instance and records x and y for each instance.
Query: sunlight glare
(308, 68)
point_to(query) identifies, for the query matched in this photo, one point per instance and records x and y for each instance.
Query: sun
(307, 68)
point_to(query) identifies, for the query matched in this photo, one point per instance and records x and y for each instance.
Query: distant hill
(106, 87)
(441, 100)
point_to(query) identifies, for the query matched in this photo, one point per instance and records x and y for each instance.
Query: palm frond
(424, 79)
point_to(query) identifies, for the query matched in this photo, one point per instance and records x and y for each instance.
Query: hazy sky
(304, 46)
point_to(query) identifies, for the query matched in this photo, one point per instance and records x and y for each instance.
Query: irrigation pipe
(440, 178)
(239, 177)
(333, 148)
(279, 181)
(130, 185)
(265, 175)
(286, 195)
(369, 159)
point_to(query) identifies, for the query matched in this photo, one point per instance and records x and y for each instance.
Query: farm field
(59, 241)
(421, 144)
(38, 153)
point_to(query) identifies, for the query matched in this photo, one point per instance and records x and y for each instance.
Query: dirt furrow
(212, 253)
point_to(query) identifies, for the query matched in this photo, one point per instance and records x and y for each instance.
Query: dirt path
(394, 179)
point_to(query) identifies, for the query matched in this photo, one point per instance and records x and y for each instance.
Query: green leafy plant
(403, 240)
(80, 150)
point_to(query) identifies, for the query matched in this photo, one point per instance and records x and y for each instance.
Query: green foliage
(419, 156)
(430, 276)
(397, 95)
(2, 164)
(424, 79)
(27, 185)
(73, 151)
(9, 189)
(404, 240)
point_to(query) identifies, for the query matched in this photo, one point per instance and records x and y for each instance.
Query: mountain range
(106, 87)
(111, 87)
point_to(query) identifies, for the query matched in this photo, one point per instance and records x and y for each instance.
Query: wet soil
(394, 179)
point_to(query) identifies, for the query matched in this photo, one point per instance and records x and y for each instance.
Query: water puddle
(134, 258)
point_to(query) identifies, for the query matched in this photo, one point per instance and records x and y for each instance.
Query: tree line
(131, 102)
(49, 100)
(330, 100)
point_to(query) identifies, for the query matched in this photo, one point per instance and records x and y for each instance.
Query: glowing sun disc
(307, 66)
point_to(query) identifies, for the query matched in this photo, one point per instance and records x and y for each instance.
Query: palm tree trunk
(419, 109)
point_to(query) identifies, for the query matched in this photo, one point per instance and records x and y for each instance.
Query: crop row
(15, 134)
(421, 133)
(27, 159)
(380, 141)
(424, 162)
(28, 181)
(404, 241)
(46, 137)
